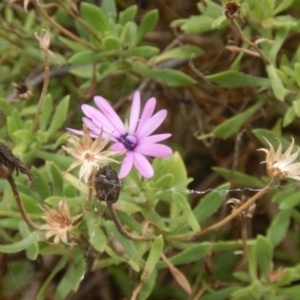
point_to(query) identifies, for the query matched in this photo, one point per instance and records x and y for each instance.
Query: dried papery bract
(280, 165)
(59, 223)
(107, 184)
(88, 153)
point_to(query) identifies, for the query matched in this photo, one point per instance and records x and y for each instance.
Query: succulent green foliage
(114, 46)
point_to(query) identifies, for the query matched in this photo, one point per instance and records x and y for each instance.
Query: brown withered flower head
(88, 153)
(22, 91)
(9, 162)
(280, 165)
(107, 184)
(231, 10)
(59, 223)
(236, 203)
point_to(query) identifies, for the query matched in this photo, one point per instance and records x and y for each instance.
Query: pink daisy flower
(135, 139)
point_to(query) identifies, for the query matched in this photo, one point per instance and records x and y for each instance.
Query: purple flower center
(128, 141)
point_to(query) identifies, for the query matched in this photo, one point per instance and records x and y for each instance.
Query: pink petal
(110, 114)
(118, 147)
(147, 112)
(100, 120)
(154, 150)
(135, 112)
(142, 165)
(154, 138)
(79, 132)
(126, 165)
(152, 124)
(95, 130)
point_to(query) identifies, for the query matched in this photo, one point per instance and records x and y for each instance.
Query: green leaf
(111, 43)
(72, 278)
(147, 288)
(148, 23)
(277, 231)
(184, 52)
(211, 203)
(280, 37)
(207, 206)
(96, 236)
(58, 267)
(46, 112)
(32, 251)
(264, 255)
(289, 116)
(59, 116)
(56, 178)
(141, 51)
(128, 35)
(94, 16)
(185, 208)
(25, 135)
(233, 79)
(153, 258)
(292, 293)
(20, 245)
(169, 77)
(129, 247)
(89, 57)
(276, 83)
(109, 8)
(290, 201)
(197, 24)
(75, 46)
(6, 107)
(223, 294)
(233, 125)
(40, 184)
(271, 137)
(191, 254)
(239, 178)
(128, 14)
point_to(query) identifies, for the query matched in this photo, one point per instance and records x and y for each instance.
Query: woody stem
(121, 228)
(20, 204)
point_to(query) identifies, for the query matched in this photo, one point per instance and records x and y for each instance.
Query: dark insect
(107, 184)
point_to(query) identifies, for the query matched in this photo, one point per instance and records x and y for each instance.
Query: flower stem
(43, 94)
(223, 222)
(60, 28)
(20, 204)
(90, 187)
(247, 41)
(121, 228)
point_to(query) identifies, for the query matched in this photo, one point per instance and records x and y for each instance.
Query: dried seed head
(59, 223)
(8, 162)
(22, 91)
(88, 153)
(231, 10)
(107, 185)
(44, 38)
(280, 165)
